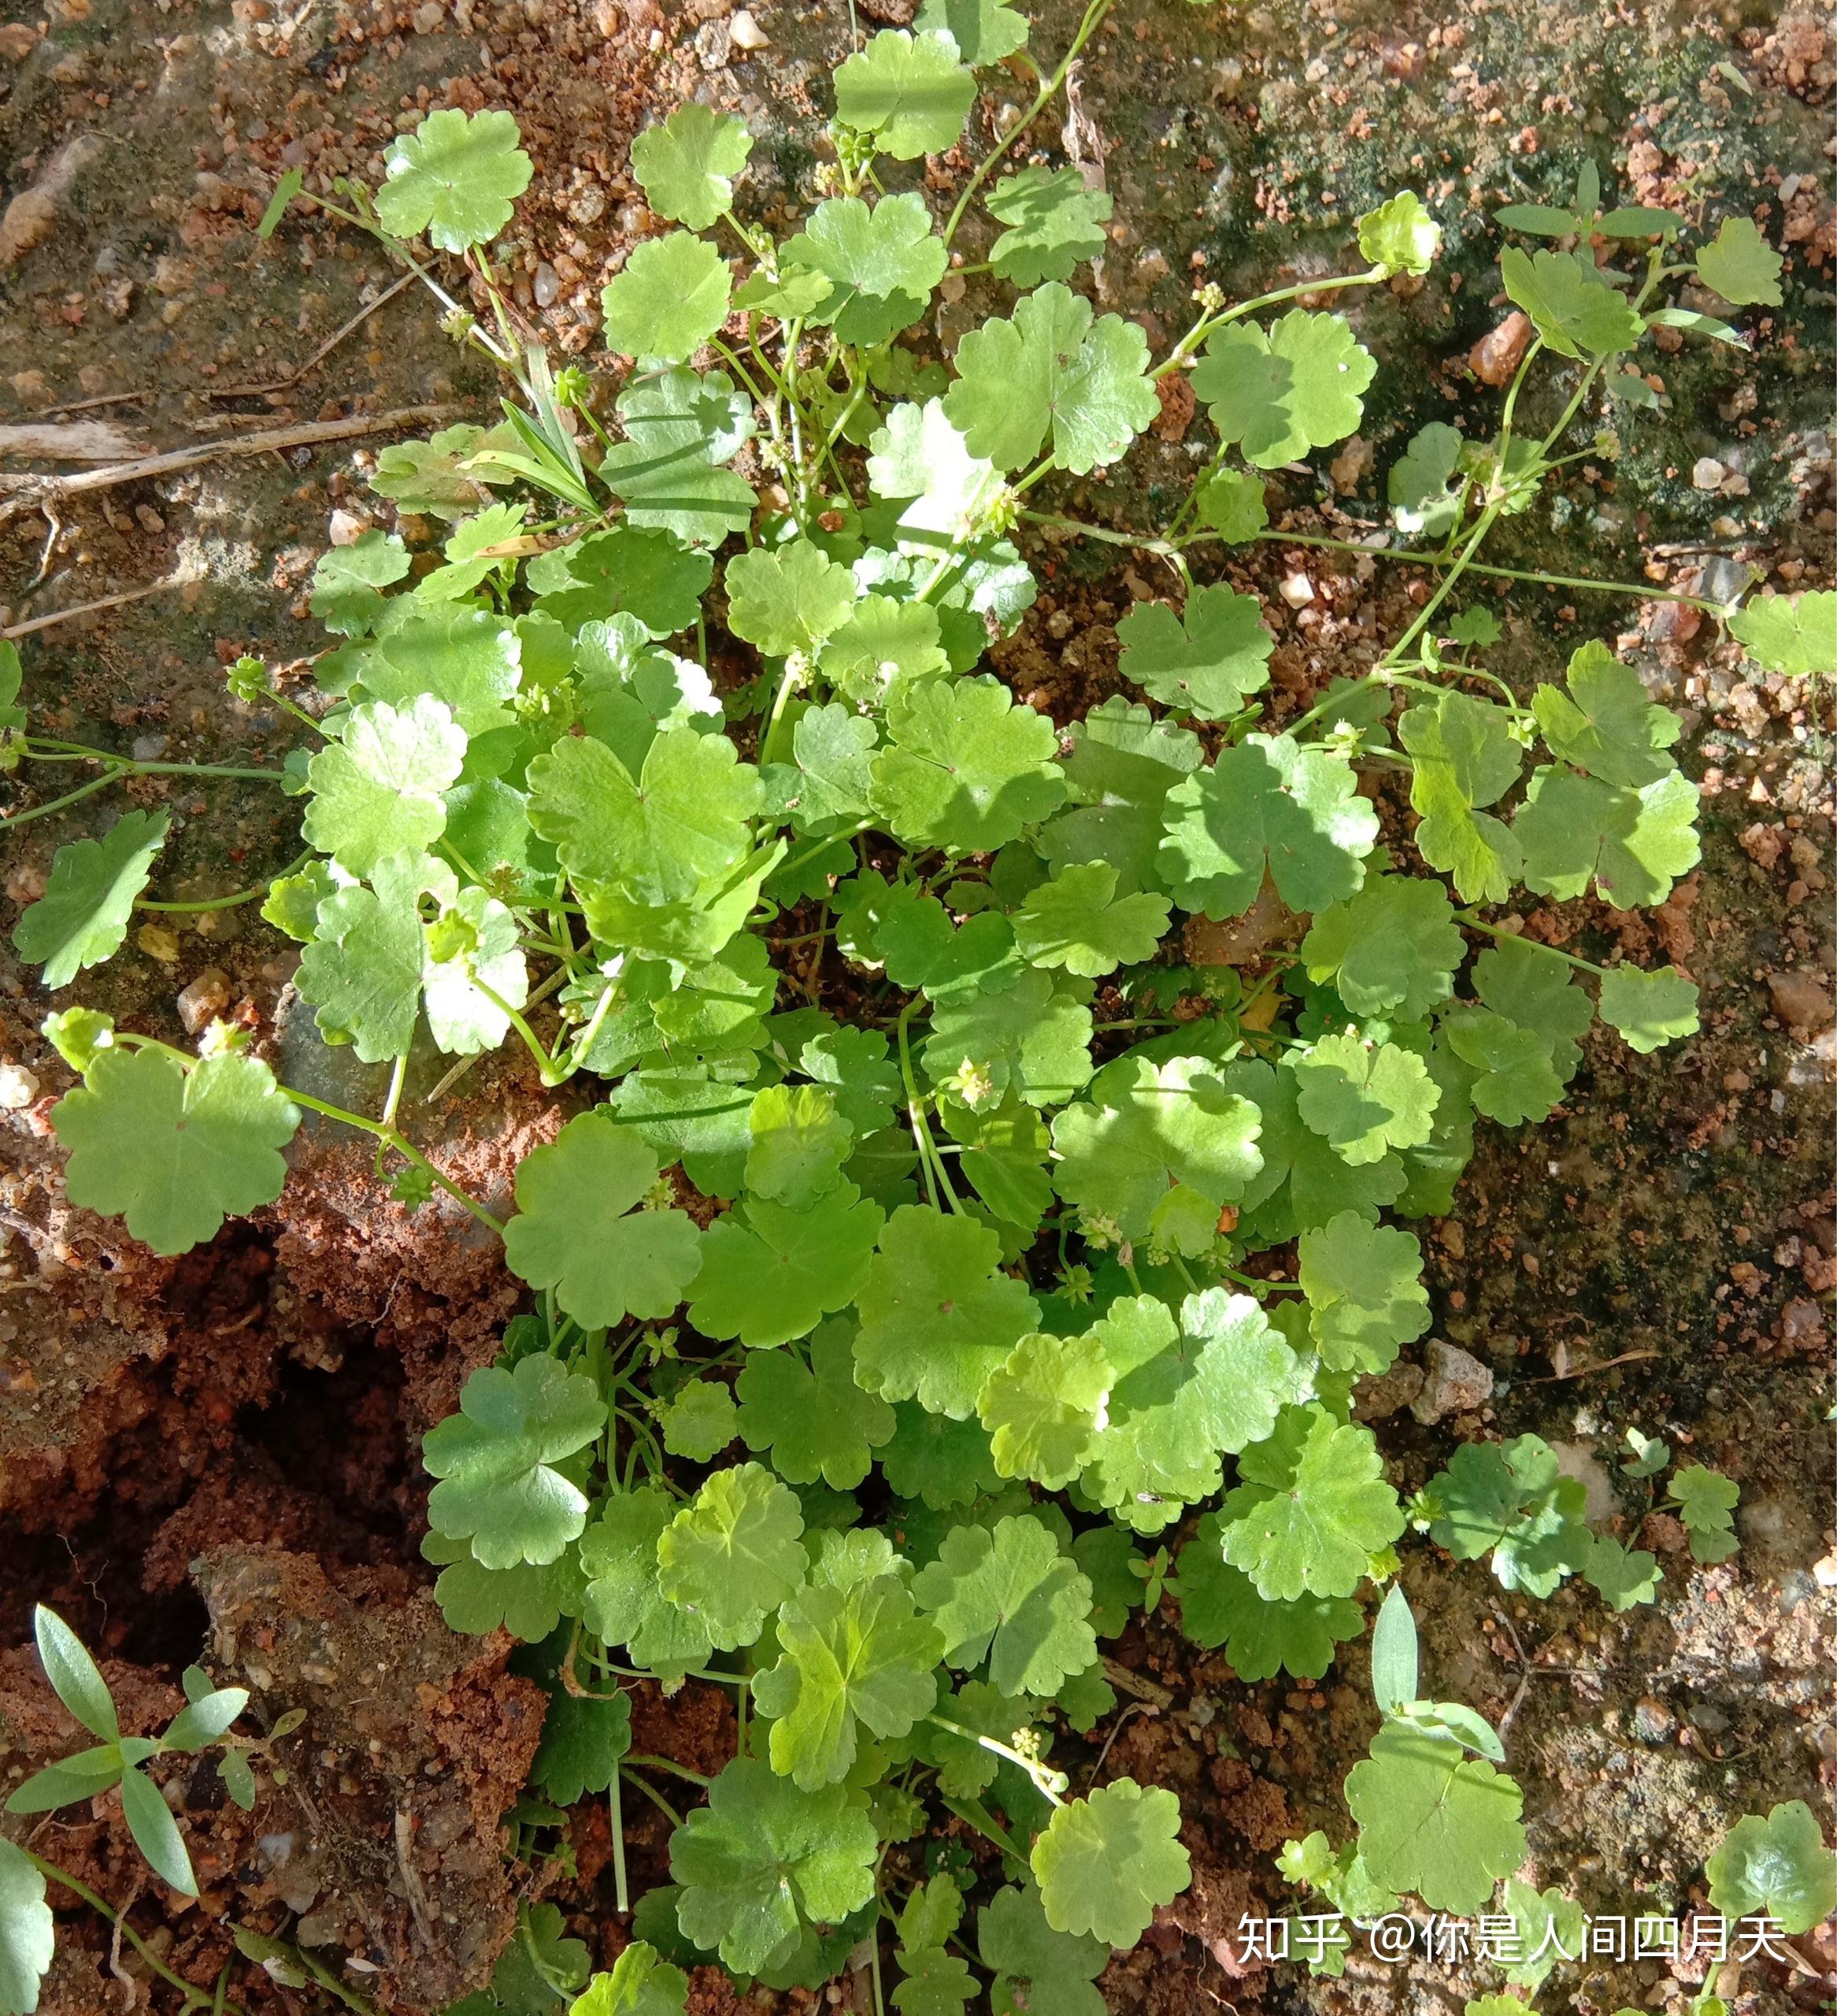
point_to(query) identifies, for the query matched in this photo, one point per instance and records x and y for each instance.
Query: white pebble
(18, 1087)
(1708, 473)
(344, 529)
(745, 32)
(1297, 591)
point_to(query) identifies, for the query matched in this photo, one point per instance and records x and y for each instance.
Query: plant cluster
(944, 1265)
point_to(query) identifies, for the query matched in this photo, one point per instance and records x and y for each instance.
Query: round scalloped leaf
(1779, 1865)
(668, 299)
(732, 1556)
(1312, 1508)
(1794, 634)
(174, 1151)
(908, 91)
(1400, 236)
(1205, 662)
(686, 165)
(576, 1231)
(1261, 1635)
(457, 177)
(1012, 1598)
(1435, 1820)
(764, 1858)
(495, 1460)
(1049, 373)
(1280, 394)
(1106, 1861)
(27, 1930)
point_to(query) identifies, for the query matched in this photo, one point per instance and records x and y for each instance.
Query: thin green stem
(57, 804)
(615, 1820)
(1093, 15)
(544, 1062)
(668, 1764)
(391, 1135)
(1206, 323)
(1042, 1778)
(196, 1998)
(651, 1793)
(1474, 923)
(789, 681)
(242, 896)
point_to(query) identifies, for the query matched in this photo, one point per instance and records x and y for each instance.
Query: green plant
(922, 1166)
(1779, 1867)
(114, 1762)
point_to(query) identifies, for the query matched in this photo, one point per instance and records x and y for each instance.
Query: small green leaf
(1418, 486)
(799, 1144)
(1705, 1501)
(346, 581)
(1205, 661)
(1796, 635)
(1650, 1008)
(936, 1317)
(528, 1600)
(1048, 373)
(1010, 1597)
(457, 177)
(1146, 1128)
(1311, 1509)
(1269, 807)
(1604, 724)
(1365, 1098)
(641, 1983)
(1364, 1291)
(1036, 1967)
(882, 264)
(1435, 1820)
(700, 1422)
(156, 1833)
(28, 1931)
(1551, 1927)
(1517, 1082)
(763, 1858)
(1054, 223)
(908, 91)
(623, 1604)
(1106, 1861)
(496, 1457)
(583, 1737)
(1778, 1865)
(814, 1422)
(577, 1231)
(770, 1274)
(732, 1556)
(668, 299)
(789, 599)
(680, 427)
(1219, 1605)
(1575, 311)
(1043, 1404)
(1233, 505)
(1633, 845)
(1078, 921)
(1280, 394)
(285, 190)
(967, 767)
(82, 917)
(687, 166)
(683, 820)
(1740, 265)
(860, 1656)
(1032, 1035)
(75, 1677)
(1623, 1576)
(1394, 1659)
(377, 791)
(1400, 236)
(174, 1151)
(1394, 946)
(984, 30)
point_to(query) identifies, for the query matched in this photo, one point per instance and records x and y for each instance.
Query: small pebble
(746, 33)
(1708, 474)
(204, 1000)
(1298, 591)
(1652, 1722)
(344, 529)
(18, 1087)
(547, 284)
